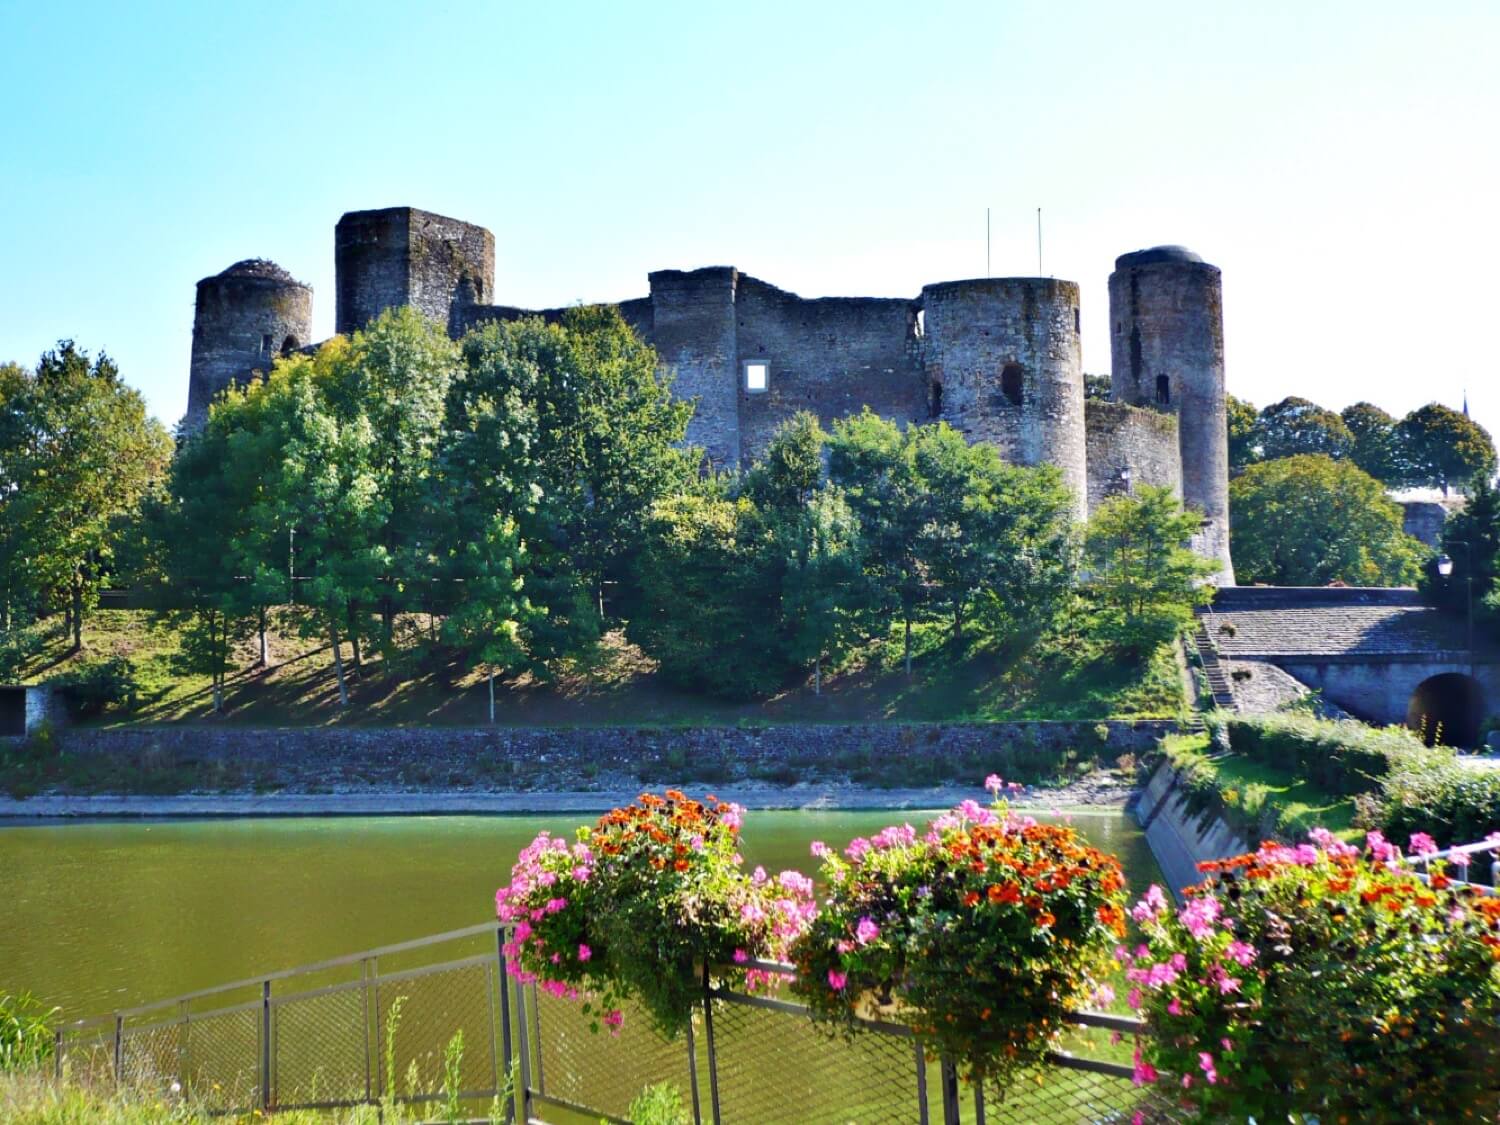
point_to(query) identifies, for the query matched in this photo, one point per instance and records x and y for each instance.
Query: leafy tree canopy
(1310, 521)
(1295, 426)
(1375, 447)
(1444, 449)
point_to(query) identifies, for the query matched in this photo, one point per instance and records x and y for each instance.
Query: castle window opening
(921, 328)
(289, 345)
(757, 376)
(265, 344)
(1077, 320)
(935, 407)
(1163, 391)
(1010, 383)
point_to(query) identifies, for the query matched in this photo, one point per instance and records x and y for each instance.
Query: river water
(100, 916)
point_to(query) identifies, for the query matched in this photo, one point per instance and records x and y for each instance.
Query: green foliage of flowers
(1319, 982)
(639, 904)
(981, 934)
(25, 1031)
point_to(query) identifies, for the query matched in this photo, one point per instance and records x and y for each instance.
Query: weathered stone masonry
(997, 358)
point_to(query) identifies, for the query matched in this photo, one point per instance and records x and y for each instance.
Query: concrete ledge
(1179, 839)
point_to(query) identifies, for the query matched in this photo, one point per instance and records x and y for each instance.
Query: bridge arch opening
(1447, 708)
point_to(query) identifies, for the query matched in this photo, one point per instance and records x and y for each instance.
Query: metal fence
(348, 1031)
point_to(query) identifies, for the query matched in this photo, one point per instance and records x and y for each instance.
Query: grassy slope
(621, 686)
(1248, 786)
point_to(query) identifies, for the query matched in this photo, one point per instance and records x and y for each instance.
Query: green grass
(1257, 796)
(619, 685)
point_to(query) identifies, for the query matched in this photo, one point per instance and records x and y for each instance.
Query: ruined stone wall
(693, 329)
(403, 256)
(1130, 437)
(832, 355)
(244, 318)
(1003, 357)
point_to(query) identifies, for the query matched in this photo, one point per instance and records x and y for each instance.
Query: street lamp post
(1445, 570)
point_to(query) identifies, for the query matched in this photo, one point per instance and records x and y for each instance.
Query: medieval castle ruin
(997, 358)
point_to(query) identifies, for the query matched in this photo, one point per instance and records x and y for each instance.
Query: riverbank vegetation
(1278, 776)
(378, 529)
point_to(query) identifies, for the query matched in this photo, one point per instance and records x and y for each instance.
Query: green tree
(1376, 447)
(1295, 426)
(1310, 521)
(822, 588)
(1445, 449)
(1471, 539)
(709, 608)
(320, 478)
(80, 455)
(608, 439)
(1143, 579)
(1244, 437)
(949, 528)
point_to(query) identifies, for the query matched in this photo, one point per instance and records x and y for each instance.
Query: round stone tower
(1167, 352)
(245, 317)
(1003, 359)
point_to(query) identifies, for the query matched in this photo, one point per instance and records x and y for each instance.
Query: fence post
(525, 1044)
(182, 1046)
(364, 1011)
(922, 1110)
(505, 1045)
(713, 1059)
(119, 1048)
(57, 1052)
(265, 1045)
(950, 1093)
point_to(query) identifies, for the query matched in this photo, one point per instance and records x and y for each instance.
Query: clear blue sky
(1340, 161)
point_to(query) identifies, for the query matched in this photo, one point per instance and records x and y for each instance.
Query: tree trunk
(354, 639)
(958, 624)
(492, 697)
(338, 664)
(908, 644)
(77, 610)
(818, 675)
(265, 648)
(387, 622)
(218, 693)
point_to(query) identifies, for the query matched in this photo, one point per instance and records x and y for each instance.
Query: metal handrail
(282, 974)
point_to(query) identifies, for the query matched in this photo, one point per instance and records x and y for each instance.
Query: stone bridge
(1380, 654)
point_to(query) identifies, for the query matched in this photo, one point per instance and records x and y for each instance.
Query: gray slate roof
(1267, 623)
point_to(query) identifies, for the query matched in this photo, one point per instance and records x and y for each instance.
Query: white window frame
(745, 376)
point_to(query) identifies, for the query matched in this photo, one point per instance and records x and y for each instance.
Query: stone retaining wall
(1180, 839)
(353, 755)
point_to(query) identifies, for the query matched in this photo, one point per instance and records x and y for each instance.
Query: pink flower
(1104, 996)
(584, 952)
(1134, 999)
(837, 980)
(581, 873)
(614, 1019)
(1228, 984)
(740, 956)
(994, 783)
(1145, 1073)
(857, 848)
(1240, 953)
(1422, 844)
(1206, 1064)
(1175, 1007)
(733, 818)
(821, 850)
(1138, 1118)
(866, 932)
(1151, 906)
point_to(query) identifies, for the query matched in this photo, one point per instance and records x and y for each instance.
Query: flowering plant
(982, 933)
(1320, 980)
(639, 903)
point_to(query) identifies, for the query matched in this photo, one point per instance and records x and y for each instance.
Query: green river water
(104, 915)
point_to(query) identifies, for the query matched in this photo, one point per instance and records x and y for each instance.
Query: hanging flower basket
(981, 934)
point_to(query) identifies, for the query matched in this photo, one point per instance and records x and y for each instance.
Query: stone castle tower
(997, 358)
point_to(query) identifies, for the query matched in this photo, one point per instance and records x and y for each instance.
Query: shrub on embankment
(1285, 773)
(1340, 756)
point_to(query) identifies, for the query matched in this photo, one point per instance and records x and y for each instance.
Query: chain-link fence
(379, 1024)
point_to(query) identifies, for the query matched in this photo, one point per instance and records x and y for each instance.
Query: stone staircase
(1213, 670)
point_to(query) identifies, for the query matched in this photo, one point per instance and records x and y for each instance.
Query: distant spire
(1466, 402)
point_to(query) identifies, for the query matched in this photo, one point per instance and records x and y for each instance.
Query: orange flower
(971, 898)
(1044, 919)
